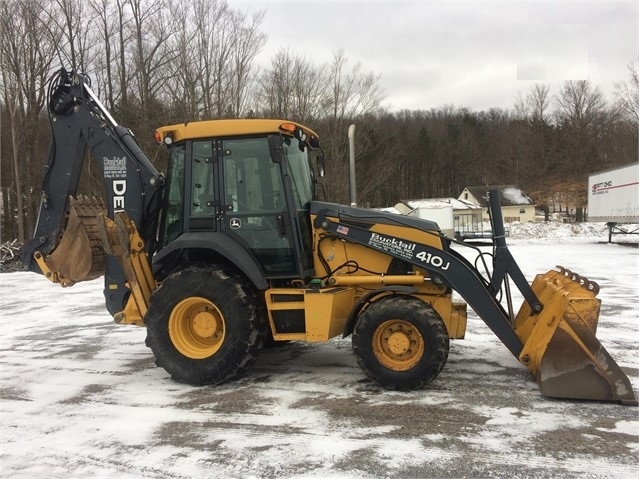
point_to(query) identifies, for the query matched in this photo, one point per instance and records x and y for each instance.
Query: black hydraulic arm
(79, 122)
(504, 263)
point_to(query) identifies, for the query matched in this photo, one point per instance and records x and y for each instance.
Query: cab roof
(228, 128)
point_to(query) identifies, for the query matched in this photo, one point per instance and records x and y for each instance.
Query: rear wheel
(204, 326)
(400, 342)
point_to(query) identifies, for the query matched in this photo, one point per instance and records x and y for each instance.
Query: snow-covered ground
(81, 396)
(552, 230)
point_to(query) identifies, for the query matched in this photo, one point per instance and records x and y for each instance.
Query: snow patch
(515, 196)
(80, 396)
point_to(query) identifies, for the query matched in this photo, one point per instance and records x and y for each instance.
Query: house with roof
(515, 204)
(452, 215)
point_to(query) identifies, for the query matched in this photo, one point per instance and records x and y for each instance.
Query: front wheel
(400, 342)
(204, 326)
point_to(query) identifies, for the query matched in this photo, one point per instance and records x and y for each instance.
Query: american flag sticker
(342, 230)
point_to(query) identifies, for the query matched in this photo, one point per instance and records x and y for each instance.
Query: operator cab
(248, 181)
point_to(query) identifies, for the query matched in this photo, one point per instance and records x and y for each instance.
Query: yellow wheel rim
(398, 345)
(196, 328)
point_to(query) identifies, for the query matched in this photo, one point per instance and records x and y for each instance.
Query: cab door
(254, 209)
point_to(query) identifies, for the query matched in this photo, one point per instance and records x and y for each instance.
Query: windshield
(297, 160)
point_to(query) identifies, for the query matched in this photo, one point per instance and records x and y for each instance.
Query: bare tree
(109, 16)
(535, 107)
(122, 39)
(216, 48)
(276, 89)
(189, 88)
(25, 59)
(349, 95)
(627, 94)
(249, 40)
(580, 104)
(292, 88)
(154, 25)
(71, 22)
(533, 131)
(584, 117)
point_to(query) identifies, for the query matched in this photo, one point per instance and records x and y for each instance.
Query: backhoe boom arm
(80, 123)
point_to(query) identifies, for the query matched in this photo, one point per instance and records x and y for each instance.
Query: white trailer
(439, 211)
(613, 197)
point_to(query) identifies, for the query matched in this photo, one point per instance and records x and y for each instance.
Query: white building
(515, 205)
(452, 215)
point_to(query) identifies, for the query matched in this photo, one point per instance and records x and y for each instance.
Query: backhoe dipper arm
(131, 183)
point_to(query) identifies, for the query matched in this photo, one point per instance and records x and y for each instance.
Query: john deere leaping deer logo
(235, 223)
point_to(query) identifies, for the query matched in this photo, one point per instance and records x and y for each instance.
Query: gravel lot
(81, 397)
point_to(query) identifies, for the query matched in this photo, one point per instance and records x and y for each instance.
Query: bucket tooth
(559, 344)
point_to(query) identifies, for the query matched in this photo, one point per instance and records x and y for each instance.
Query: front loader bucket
(79, 255)
(559, 344)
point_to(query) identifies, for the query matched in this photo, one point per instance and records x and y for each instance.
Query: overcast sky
(473, 53)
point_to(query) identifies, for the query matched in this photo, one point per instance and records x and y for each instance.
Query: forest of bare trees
(158, 62)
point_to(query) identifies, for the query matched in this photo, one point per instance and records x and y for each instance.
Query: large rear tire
(400, 342)
(204, 326)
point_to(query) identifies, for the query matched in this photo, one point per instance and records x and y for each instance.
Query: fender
(220, 244)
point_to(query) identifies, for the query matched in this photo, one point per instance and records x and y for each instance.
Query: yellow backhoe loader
(233, 248)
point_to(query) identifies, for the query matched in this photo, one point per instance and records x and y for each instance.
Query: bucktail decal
(415, 253)
(115, 170)
(393, 246)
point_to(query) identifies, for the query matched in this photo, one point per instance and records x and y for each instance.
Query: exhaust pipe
(351, 155)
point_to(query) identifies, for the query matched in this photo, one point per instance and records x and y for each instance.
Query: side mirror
(276, 148)
(321, 164)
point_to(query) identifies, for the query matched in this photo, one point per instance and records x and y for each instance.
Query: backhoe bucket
(79, 255)
(560, 347)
